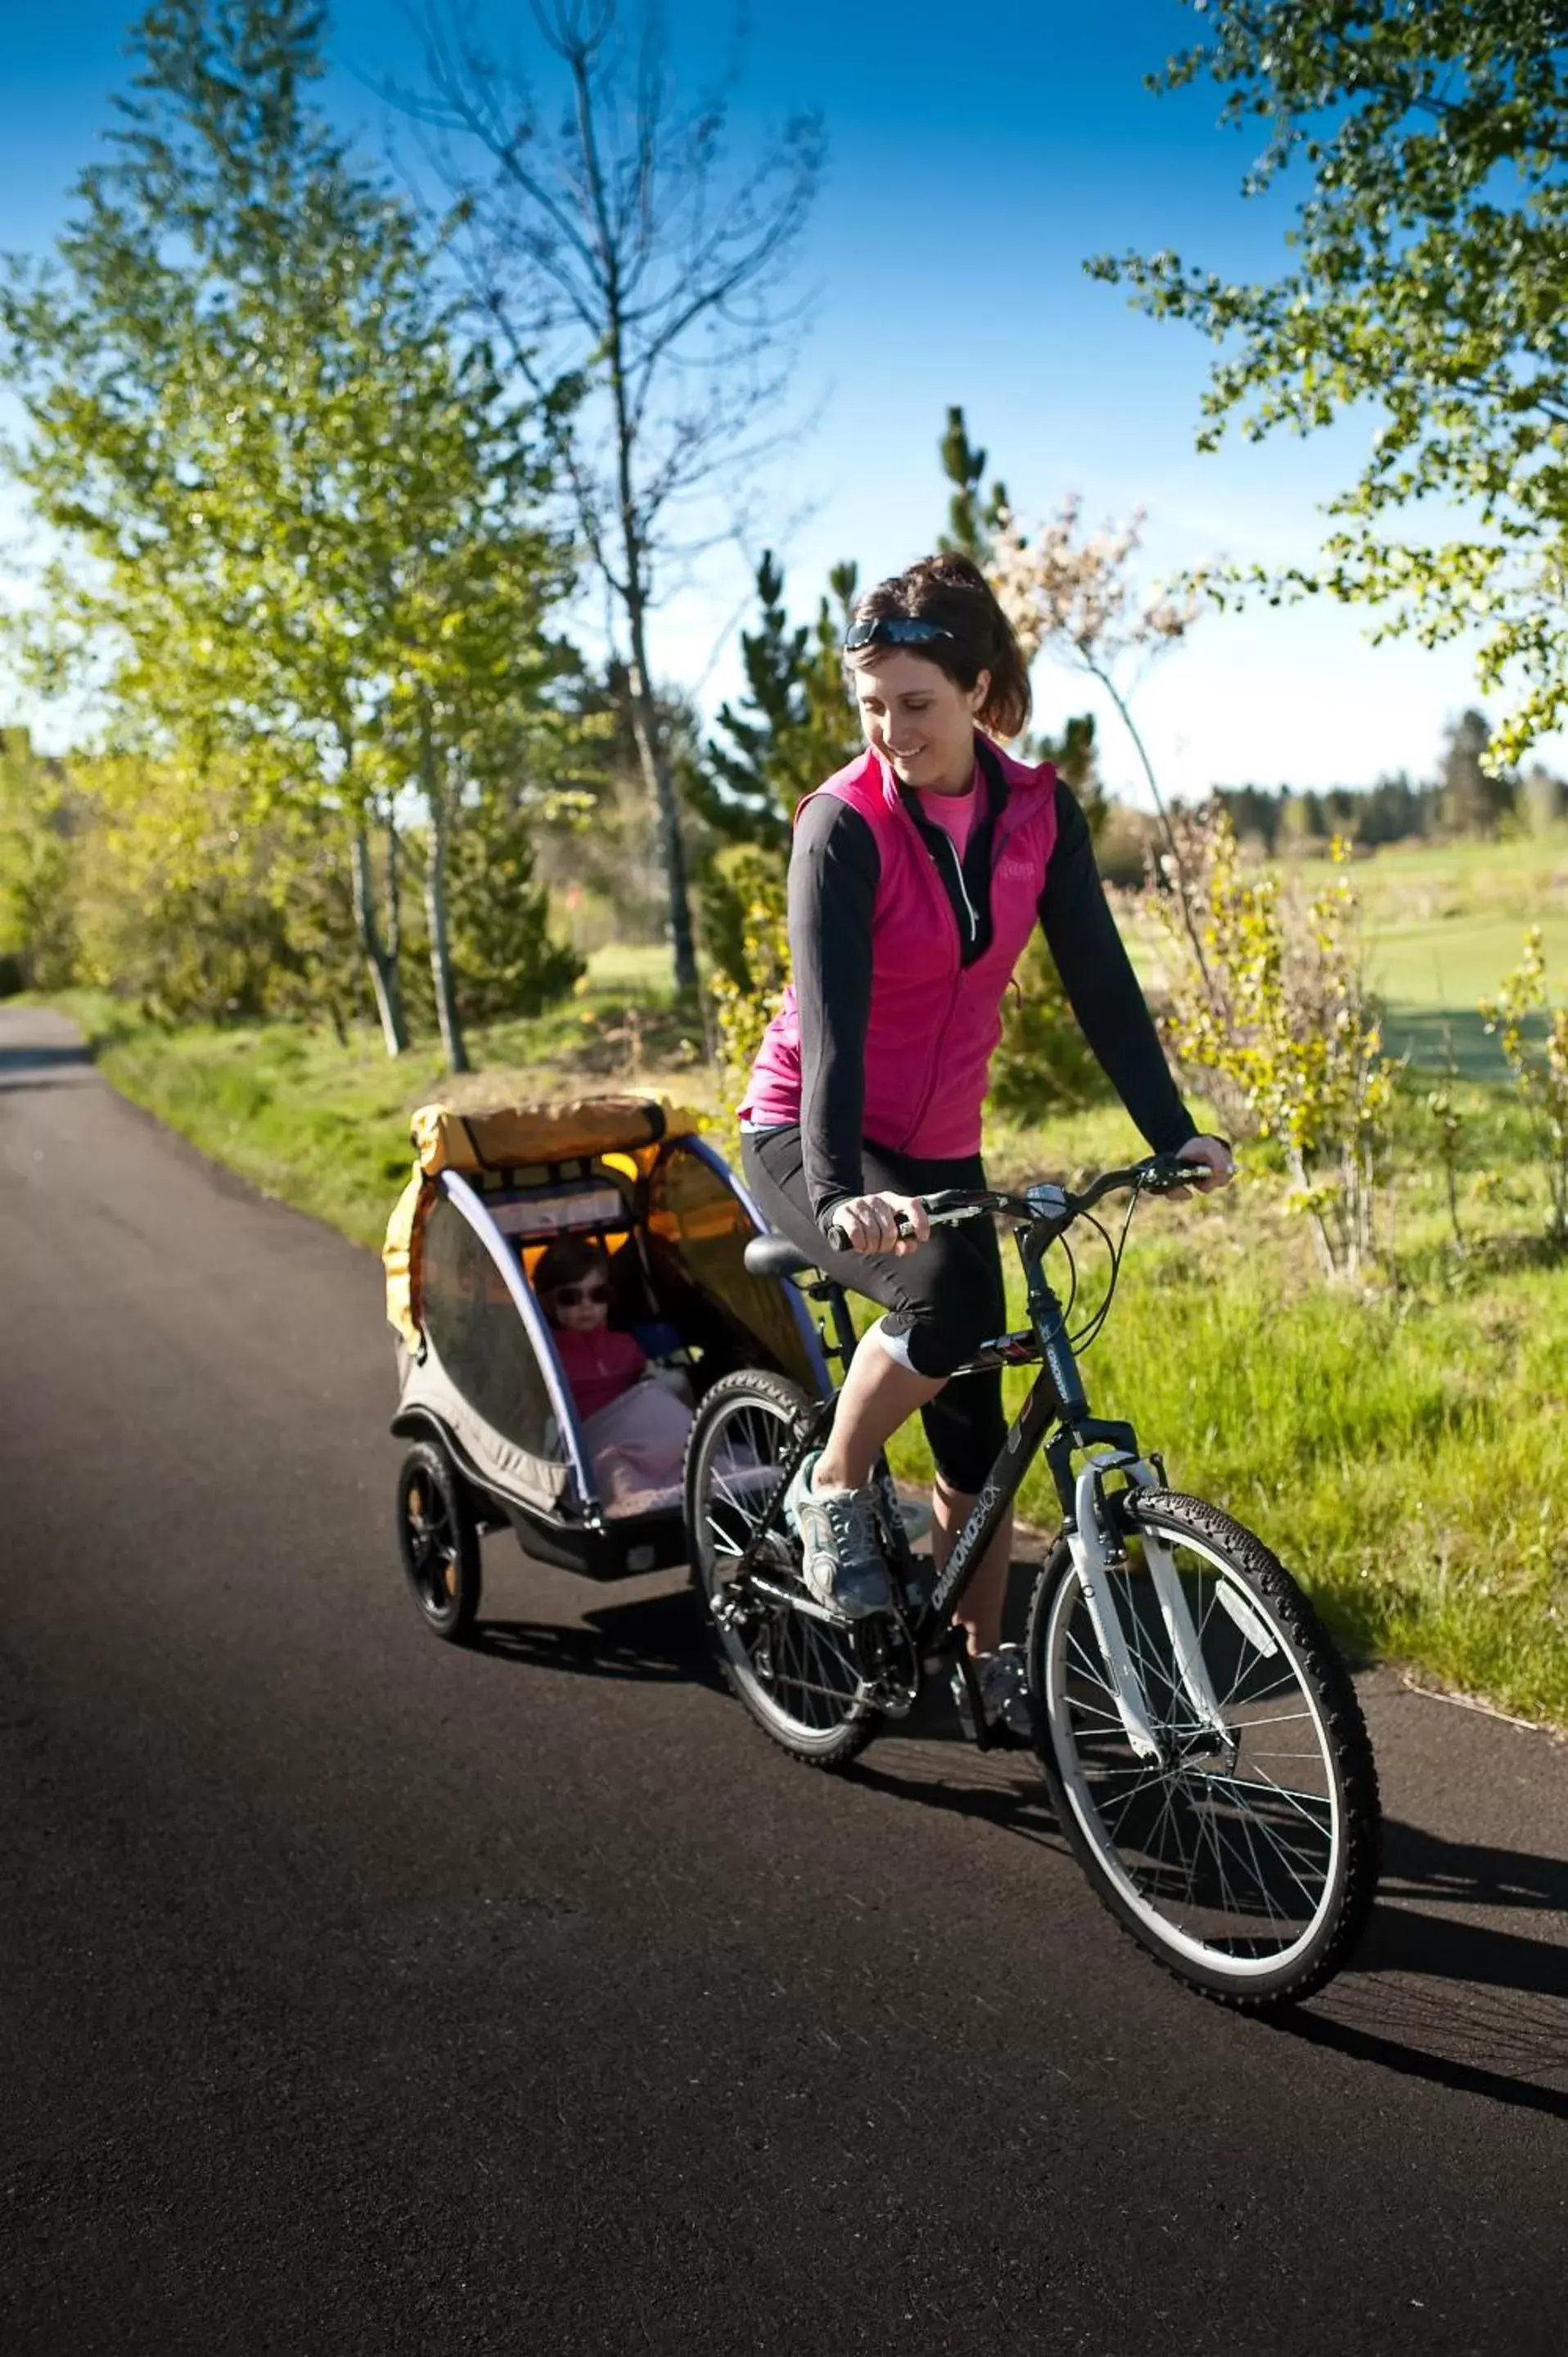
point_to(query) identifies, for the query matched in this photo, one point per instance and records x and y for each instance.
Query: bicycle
(1174, 1664)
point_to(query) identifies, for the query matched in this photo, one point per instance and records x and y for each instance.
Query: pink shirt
(598, 1367)
(954, 814)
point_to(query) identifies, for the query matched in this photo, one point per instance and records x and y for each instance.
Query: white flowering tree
(1078, 595)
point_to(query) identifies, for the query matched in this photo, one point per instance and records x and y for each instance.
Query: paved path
(362, 1995)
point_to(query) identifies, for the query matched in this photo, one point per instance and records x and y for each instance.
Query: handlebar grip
(1164, 1172)
(839, 1238)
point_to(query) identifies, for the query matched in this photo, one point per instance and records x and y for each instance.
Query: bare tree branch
(617, 255)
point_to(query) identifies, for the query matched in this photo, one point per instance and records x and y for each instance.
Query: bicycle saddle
(777, 1256)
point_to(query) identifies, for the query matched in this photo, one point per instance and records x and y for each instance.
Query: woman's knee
(965, 1429)
(948, 1323)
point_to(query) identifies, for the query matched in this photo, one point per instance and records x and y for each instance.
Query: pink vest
(933, 1022)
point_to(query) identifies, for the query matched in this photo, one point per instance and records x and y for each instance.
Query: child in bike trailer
(918, 875)
(635, 1417)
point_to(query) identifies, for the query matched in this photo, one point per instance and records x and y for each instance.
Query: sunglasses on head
(893, 630)
(571, 1296)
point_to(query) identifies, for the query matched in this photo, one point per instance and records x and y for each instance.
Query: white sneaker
(844, 1566)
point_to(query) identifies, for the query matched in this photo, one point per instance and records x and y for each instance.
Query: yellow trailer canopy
(513, 1136)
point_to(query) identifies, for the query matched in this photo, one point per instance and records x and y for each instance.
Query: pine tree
(974, 512)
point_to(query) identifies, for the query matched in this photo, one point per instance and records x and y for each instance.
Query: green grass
(1400, 1448)
(325, 1126)
(1405, 1457)
(1444, 923)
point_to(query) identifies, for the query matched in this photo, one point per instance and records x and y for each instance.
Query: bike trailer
(478, 1372)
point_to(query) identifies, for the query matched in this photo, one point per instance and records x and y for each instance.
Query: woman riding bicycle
(918, 875)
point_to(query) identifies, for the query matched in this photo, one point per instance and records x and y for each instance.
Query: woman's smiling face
(921, 721)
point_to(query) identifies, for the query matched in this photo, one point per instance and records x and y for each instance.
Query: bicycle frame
(1055, 1417)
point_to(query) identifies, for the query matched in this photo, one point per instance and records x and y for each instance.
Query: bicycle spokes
(1217, 1810)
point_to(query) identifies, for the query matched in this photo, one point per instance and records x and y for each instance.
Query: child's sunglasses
(571, 1296)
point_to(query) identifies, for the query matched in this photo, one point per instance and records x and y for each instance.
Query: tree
(1279, 1025)
(1472, 800)
(1430, 280)
(505, 959)
(36, 932)
(1079, 596)
(187, 899)
(1539, 1066)
(313, 522)
(794, 728)
(974, 512)
(795, 725)
(1543, 798)
(632, 280)
(980, 520)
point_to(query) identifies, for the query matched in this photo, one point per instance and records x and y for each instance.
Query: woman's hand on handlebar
(879, 1223)
(1214, 1165)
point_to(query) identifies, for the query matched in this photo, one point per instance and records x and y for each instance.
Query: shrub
(1540, 1071)
(747, 933)
(1276, 1018)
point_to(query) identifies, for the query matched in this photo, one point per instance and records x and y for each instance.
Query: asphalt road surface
(362, 1993)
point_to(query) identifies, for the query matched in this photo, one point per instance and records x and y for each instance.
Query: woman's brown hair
(952, 592)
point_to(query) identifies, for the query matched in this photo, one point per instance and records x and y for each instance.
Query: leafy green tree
(185, 901)
(1429, 280)
(314, 519)
(1539, 1066)
(37, 930)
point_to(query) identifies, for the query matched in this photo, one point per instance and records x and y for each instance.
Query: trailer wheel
(439, 1542)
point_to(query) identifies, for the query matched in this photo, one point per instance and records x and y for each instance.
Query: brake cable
(1087, 1334)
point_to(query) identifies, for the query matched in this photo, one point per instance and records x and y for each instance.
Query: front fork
(1090, 1544)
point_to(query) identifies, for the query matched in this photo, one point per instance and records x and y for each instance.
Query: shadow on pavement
(1475, 2006)
(40, 1067)
(658, 1638)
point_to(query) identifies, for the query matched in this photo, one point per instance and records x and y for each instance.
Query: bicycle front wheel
(1243, 1856)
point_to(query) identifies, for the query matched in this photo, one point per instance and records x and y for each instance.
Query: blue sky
(967, 179)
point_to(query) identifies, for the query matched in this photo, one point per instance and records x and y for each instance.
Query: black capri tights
(944, 1300)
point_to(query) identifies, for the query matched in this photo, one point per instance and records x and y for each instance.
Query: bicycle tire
(786, 1672)
(1112, 1806)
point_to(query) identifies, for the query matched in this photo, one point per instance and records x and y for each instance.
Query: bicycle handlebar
(1157, 1174)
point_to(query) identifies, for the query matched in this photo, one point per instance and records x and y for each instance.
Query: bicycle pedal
(970, 1709)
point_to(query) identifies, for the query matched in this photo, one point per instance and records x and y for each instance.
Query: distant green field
(636, 967)
(1445, 922)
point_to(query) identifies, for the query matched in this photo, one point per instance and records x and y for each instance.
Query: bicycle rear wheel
(803, 1678)
(1245, 1856)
